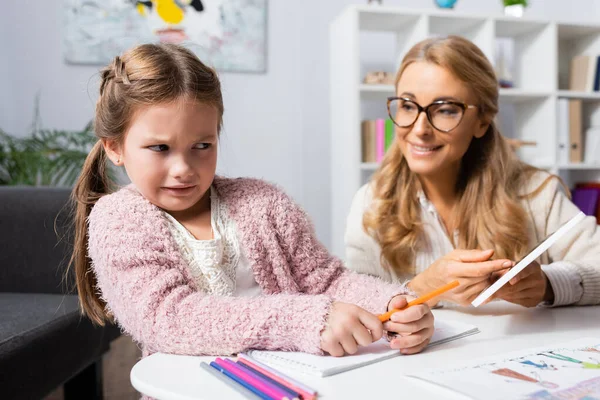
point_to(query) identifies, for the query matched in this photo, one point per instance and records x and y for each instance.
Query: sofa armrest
(35, 259)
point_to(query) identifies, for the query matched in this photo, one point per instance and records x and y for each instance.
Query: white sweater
(572, 264)
(219, 265)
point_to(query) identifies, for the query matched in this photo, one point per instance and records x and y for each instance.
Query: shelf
(376, 88)
(545, 167)
(385, 19)
(569, 94)
(518, 95)
(367, 38)
(376, 92)
(571, 31)
(369, 166)
(580, 166)
(373, 166)
(575, 40)
(577, 166)
(453, 25)
(513, 27)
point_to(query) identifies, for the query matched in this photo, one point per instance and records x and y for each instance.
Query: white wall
(276, 124)
(6, 81)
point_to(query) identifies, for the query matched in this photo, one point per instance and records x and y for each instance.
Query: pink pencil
(238, 371)
(254, 364)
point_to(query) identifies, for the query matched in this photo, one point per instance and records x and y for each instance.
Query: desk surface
(504, 327)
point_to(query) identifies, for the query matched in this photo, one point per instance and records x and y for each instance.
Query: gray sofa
(44, 340)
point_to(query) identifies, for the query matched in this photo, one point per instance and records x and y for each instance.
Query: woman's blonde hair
(488, 214)
(148, 74)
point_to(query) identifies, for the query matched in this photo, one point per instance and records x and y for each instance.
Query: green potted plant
(47, 157)
(514, 8)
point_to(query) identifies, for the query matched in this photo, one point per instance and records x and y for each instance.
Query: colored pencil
(278, 375)
(278, 392)
(385, 317)
(293, 394)
(232, 383)
(240, 381)
(272, 391)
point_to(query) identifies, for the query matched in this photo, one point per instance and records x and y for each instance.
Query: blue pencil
(240, 381)
(293, 394)
(238, 387)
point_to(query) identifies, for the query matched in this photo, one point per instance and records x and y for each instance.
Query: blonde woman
(452, 201)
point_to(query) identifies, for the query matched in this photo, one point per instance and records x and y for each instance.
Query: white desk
(504, 327)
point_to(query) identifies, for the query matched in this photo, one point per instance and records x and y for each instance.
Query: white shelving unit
(542, 51)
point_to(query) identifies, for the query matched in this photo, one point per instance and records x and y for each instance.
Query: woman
(452, 201)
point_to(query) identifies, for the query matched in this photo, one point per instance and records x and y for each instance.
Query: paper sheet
(568, 371)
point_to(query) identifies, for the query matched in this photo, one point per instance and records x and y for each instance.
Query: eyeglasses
(443, 115)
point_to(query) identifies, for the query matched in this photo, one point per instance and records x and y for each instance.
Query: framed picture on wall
(227, 34)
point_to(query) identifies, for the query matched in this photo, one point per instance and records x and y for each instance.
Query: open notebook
(445, 331)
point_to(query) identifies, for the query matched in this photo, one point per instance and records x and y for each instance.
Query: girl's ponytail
(92, 184)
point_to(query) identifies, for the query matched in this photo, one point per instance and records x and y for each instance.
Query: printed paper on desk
(535, 253)
(565, 371)
(311, 364)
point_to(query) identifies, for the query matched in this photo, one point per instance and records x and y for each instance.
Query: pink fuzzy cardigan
(147, 287)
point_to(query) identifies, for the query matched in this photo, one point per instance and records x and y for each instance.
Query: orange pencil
(420, 300)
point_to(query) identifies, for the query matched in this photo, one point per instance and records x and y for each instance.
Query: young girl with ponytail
(190, 263)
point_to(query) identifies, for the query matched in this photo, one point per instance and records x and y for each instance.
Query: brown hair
(490, 181)
(148, 74)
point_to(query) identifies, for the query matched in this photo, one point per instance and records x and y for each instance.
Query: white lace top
(218, 265)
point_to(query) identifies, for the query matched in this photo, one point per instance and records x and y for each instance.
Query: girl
(190, 263)
(451, 182)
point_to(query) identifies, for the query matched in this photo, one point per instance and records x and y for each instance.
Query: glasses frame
(425, 109)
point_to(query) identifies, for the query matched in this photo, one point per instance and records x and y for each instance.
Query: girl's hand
(410, 329)
(348, 327)
(473, 269)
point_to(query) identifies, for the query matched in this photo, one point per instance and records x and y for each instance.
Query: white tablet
(529, 258)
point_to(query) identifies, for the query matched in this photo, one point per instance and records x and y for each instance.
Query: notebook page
(445, 331)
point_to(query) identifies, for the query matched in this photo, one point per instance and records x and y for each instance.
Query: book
(583, 73)
(597, 75)
(591, 75)
(586, 199)
(579, 72)
(377, 136)
(592, 185)
(568, 370)
(322, 366)
(575, 131)
(389, 133)
(369, 153)
(528, 259)
(592, 145)
(563, 132)
(380, 138)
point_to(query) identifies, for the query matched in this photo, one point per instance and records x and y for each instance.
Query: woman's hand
(348, 327)
(410, 329)
(528, 288)
(471, 268)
